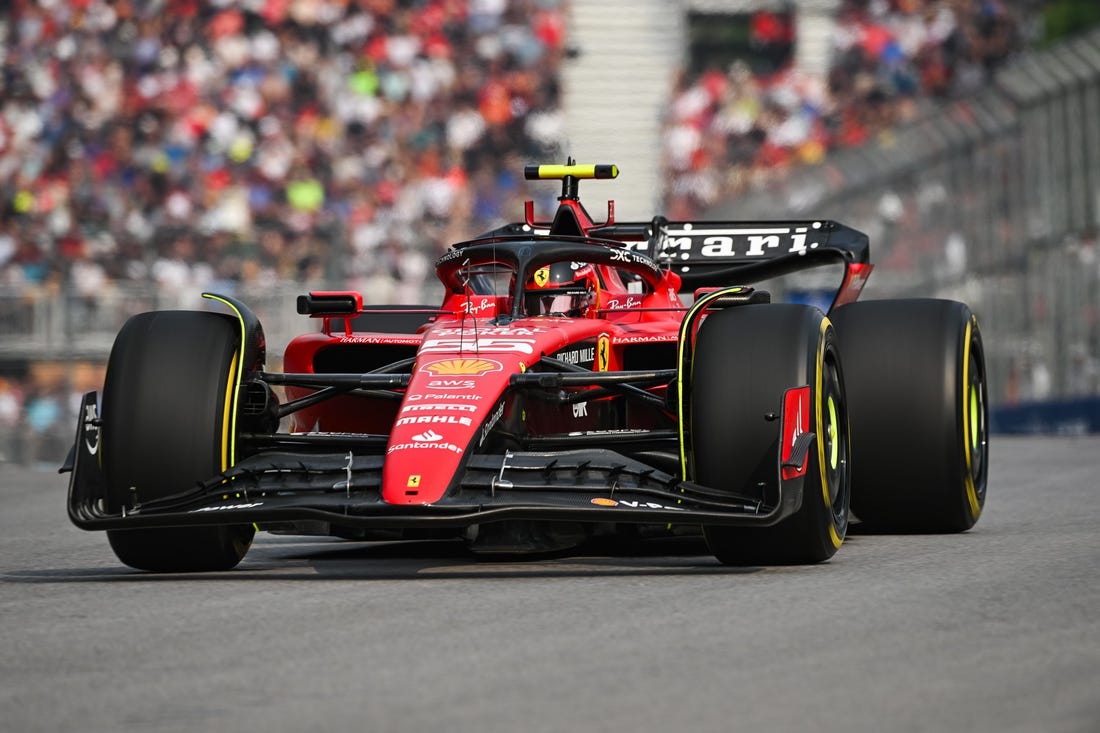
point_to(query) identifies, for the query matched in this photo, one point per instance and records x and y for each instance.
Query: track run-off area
(996, 629)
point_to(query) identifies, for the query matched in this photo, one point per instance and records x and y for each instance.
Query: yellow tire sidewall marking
(688, 320)
(229, 437)
(819, 420)
(227, 442)
(967, 416)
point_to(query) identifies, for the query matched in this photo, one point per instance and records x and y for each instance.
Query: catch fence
(993, 200)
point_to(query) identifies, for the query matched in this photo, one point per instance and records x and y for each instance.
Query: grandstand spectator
(11, 416)
(44, 426)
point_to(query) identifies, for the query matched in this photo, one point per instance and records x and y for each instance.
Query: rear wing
(708, 253)
(692, 245)
(703, 253)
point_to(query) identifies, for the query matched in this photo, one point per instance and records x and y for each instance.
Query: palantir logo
(428, 436)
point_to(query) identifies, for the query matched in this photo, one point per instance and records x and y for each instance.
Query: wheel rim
(836, 443)
(979, 440)
(831, 434)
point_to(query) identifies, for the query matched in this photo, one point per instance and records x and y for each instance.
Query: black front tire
(919, 414)
(167, 424)
(745, 359)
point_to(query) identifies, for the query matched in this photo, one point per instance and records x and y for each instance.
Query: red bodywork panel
(855, 277)
(458, 390)
(796, 422)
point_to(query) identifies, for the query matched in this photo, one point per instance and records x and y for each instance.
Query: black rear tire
(919, 414)
(745, 359)
(167, 424)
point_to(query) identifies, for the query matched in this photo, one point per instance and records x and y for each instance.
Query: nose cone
(451, 404)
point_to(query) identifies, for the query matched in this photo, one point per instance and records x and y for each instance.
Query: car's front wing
(344, 488)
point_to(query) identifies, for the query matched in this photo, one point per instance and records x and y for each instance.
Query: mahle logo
(464, 367)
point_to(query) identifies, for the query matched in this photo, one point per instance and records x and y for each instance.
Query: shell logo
(604, 502)
(464, 367)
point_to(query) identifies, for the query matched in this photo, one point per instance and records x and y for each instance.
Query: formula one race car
(563, 390)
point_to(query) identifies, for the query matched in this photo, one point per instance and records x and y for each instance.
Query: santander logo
(428, 436)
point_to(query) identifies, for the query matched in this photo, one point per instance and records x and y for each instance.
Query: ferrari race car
(579, 379)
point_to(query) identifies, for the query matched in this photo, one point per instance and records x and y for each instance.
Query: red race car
(579, 379)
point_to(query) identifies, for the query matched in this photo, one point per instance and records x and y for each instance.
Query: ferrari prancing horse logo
(542, 276)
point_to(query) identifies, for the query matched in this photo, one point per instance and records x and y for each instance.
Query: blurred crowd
(38, 413)
(732, 129)
(224, 143)
(234, 144)
(186, 142)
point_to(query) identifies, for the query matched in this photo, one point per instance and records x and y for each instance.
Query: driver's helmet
(561, 289)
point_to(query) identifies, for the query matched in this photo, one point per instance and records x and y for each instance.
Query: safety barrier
(1076, 416)
(68, 327)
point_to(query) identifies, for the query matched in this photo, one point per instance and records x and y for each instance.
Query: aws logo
(464, 367)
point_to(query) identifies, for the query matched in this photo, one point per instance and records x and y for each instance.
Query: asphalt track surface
(997, 629)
